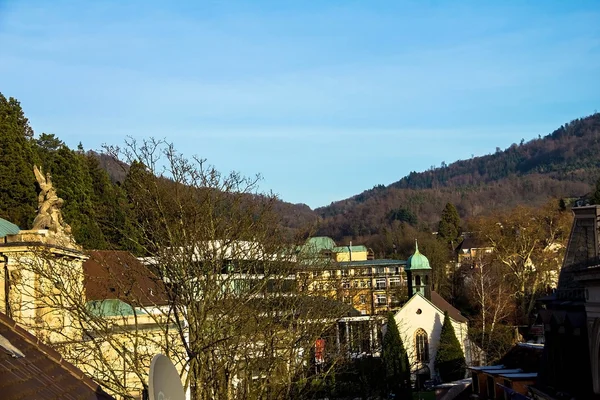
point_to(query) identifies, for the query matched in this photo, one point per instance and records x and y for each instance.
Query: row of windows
(359, 272)
(380, 283)
(380, 299)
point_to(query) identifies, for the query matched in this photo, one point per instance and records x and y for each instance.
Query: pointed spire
(416, 246)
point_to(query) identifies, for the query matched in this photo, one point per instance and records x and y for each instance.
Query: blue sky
(325, 99)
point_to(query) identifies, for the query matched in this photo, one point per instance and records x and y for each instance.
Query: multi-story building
(351, 274)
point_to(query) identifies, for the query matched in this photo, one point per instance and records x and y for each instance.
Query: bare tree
(219, 295)
(529, 243)
(244, 330)
(491, 294)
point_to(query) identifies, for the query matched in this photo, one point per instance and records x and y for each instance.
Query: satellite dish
(163, 380)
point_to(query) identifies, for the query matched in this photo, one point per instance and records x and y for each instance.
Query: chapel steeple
(418, 274)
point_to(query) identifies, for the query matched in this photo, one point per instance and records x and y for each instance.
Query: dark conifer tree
(18, 198)
(112, 210)
(395, 361)
(449, 359)
(449, 226)
(71, 177)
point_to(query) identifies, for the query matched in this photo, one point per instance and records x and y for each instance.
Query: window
(394, 282)
(346, 285)
(381, 299)
(418, 280)
(422, 346)
(345, 272)
(380, 283)
(363, 299)
(363, 284)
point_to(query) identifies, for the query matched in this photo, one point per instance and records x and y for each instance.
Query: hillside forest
(515, 200)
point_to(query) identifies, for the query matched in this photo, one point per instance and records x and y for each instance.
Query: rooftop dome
(319, 243)
(417, 260)
(8, 228)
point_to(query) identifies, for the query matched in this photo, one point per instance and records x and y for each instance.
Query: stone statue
(49, 204)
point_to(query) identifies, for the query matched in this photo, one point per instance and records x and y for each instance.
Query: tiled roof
(443, 305)
(110, 274)
(40, 373)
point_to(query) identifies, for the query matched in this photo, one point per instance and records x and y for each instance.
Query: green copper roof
(417, 261)
(318, 243)
(346, 249)
(110, 308)
(8, 228)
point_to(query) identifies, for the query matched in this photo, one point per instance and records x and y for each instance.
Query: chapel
(420, 320)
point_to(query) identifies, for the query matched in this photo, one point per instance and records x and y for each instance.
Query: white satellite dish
(163, 380)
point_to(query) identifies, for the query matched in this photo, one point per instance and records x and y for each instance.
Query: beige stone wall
(45, 276)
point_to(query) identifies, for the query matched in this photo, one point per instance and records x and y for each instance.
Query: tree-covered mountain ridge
(561, 164)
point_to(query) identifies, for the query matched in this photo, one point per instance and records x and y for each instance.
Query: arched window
(422, 346)
(418, 280)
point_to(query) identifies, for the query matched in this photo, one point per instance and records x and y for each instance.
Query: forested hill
(94, 186)
(562, 164)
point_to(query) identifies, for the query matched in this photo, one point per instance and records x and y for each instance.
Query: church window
(422, 346)
(418, 280)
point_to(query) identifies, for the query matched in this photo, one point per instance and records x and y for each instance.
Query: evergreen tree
(395, 361)
(449, 226)
(74, 184)
(112, 210)
(449, 359)
(18, 198)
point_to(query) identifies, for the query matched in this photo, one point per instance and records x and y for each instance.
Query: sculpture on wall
(49, 215)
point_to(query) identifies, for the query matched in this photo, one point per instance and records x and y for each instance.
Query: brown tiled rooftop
(42, 373)
(110, 274)
(443, 305)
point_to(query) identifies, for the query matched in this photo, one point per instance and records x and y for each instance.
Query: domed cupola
(418, 274)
